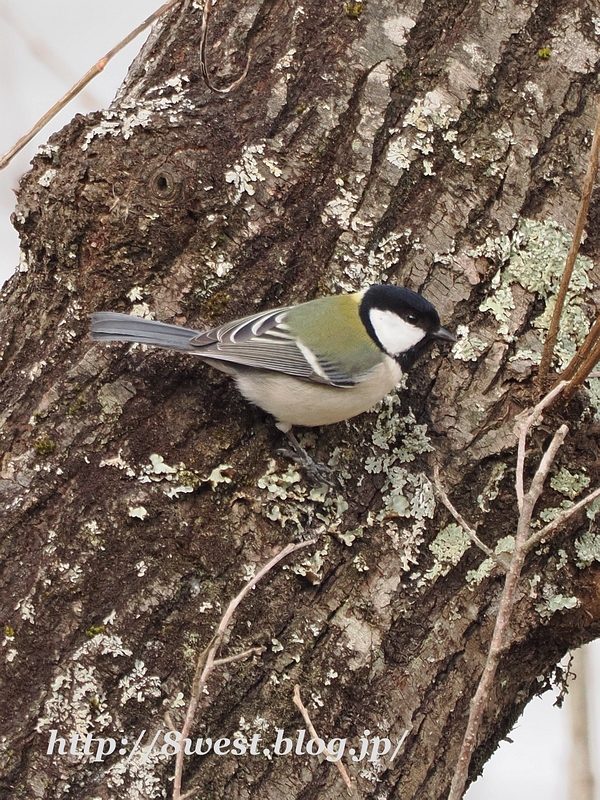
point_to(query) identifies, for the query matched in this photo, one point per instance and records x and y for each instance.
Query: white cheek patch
(395, 334)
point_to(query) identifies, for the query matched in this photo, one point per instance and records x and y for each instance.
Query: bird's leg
(318, 473)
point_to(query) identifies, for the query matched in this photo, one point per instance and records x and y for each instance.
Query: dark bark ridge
(137, 489)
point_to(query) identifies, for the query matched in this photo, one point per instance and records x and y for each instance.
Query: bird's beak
(442, 333)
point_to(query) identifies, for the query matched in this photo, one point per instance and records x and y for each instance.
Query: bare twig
(463, 523)
(524, 423)
(524, 541)
(480, 700)
(253, 651)
(537, 484)
(585, 367)
(207, 659)
(582, 352)
(584, 205)
(169, 722)
(203, 66)
(315, 735)
(549, 529)
(83, 82)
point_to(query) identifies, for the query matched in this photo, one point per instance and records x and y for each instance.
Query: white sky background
(45, 47)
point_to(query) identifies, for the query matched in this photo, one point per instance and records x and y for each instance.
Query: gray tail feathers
(110, 327)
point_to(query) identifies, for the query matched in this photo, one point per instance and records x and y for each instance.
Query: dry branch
(207, 660)
(470, 531)
(203, 65)
(524, 542)
(304, 711)
(584, 205)
(82, 83)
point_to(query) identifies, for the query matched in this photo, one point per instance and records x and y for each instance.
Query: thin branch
(480, 700)
(584, 369)
(169, 722)
(537, 484)
(253, 651)
(582, 352)
(584, 205)
(463, 523)
(513, 575)
(203, 66)
(551, 528)
(207, 659)
(524, 423)
(304, 711)
(82, 83)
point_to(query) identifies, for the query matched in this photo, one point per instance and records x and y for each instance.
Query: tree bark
(402, 142)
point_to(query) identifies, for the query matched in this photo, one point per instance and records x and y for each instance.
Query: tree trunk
(437, 145)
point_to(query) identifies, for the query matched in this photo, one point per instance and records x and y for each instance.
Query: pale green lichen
(504, 546)
(448, 547)
(562, 560)
(405, 494)
(218, 475)
(548, 514)
(360, 563)
(483, 571)
(587, 549)
(469, 346)
(501, 304)
(348, 537)
(407, 542)
(491, 489)
(138, 512)
(593, 508)
(311, 567)
(395, 439)
(534, 258)
(557, 602)
(289, 500)
(568, 483)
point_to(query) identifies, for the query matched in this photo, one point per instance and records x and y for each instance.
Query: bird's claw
(317, 473)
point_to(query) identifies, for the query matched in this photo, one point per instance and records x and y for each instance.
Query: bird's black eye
(411, 318)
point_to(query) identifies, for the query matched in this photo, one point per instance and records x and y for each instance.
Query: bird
(310, 364)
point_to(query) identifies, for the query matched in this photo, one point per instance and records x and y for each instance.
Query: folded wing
(264, 341)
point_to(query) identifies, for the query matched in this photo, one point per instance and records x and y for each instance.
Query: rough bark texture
(397, 141)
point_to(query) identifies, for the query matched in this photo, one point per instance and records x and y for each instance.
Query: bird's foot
(317, 473)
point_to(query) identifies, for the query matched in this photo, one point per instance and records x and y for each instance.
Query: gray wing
(264, 341)
(261, 341)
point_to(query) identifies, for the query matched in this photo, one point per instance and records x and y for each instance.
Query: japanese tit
(310, 364)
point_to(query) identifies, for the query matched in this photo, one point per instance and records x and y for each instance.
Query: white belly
(296, 402)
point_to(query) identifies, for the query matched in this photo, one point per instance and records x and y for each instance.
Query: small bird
(310, 364)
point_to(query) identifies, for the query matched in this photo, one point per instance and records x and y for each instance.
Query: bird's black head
(401, 322)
